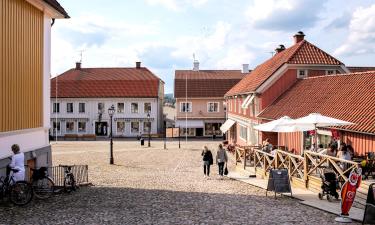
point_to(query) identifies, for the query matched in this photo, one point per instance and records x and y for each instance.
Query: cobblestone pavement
(156, 186)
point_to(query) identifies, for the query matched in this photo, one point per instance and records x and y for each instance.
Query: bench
(89, 136)
(70, 136)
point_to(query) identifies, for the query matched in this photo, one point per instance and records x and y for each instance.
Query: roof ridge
(340, 74)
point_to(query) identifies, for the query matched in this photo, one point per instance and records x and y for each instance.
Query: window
(101, 107)
(212, 129)
(147, 107)
(134, 127)
(120, 107)
(187, 131)
(330, 72)
(56, 126)
(301, 73)
(69, 127)
(213, 107)
(146, 127)
(185, 107)
(82, 107)
(69, 107)
(134, 107)
(120, 127)
(243, 132)
(56, 107)
(81, 126)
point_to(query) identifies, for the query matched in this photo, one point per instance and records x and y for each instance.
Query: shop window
(56, 107)
(134, 107)
(69, 107)
(120, 127)
(56, 127)
(120, 107)
(213, 107)
(212, 128)
(69, 127)
(146, 127)
(81, 126)
(82, 107)
(147, 107)
(134, 127)
(187, 131)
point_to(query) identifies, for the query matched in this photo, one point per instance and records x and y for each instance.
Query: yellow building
(25, 55)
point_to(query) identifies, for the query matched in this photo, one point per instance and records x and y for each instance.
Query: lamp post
(111, 111)
(149, 129)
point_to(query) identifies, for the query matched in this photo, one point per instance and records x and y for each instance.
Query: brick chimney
(298, 37)
(78, 65)
(280, 49)
(196, 65)
(138, 65)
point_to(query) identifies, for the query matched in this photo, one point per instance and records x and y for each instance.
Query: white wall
(91, 112)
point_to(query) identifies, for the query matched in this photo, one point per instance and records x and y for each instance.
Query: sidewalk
(305, 196)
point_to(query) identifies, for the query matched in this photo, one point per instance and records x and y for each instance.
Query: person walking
(221, 159)
(207, 161)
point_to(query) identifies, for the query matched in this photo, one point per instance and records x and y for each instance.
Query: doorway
(199, 132)
(101, 128)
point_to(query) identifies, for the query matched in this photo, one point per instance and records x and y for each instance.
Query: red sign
(348, 191)
(335, 134)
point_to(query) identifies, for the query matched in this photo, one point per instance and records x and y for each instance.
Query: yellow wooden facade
(21, 66)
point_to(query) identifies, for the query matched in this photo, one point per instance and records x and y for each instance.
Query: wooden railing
(309, 166)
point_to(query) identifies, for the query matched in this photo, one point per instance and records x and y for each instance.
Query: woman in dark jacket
(207, 161)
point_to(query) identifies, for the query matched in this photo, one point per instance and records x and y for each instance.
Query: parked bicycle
(69, 180)
(18, 192)
(43, 185)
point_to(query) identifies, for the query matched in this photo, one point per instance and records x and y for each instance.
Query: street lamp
(149, 129)
(111, 111)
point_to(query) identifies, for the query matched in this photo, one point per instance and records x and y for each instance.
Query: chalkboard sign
(279, 182)
(369, 216)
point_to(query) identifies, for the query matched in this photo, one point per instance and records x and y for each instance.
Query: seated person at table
(267, 146)
(320, 149)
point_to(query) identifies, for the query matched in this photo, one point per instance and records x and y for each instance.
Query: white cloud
(361, 39)
(284, 14)
(177, 5)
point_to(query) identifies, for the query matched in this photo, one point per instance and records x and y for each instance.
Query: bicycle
(69, 180)
(18, 192)
(43, 185)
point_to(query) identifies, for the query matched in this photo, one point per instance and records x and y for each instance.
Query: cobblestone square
(156, 186)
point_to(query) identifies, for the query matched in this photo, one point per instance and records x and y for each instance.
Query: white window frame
(103, 109)
(53, 107)
(117, 126)
(131, 128)
(68, 107)
(144, 107)
(144, 123)
(304, 76)
(190, 109)
(243, 127)
(66, 128)
(333, 72)
(82, 131)
(123, 110)
(131, 108)
(84, 107)
(208, 107)
(53, 129)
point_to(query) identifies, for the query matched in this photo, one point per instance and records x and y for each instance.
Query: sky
(222, 34)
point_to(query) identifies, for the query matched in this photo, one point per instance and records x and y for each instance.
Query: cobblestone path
(156, 186)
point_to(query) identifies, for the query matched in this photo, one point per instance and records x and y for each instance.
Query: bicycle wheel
(21, 193)
(69, 183)
(43, 188)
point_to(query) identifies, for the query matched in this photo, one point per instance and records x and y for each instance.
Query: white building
(80, 103)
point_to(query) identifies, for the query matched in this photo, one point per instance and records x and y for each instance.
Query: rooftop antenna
(272, 53)
(81, 55)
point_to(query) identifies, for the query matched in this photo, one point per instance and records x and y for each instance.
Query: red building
(258, 92)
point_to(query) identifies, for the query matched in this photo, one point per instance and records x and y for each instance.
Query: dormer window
(330, 72)
(301, 73)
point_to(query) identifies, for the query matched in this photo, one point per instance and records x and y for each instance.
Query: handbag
(226, 170)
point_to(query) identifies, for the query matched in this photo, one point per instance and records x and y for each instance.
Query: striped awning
(227, 125)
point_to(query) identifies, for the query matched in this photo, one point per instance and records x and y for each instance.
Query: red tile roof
(205, 83)
(349, 97)
(301, 53)
(106, 82)
(56, 5)
(356, 69)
